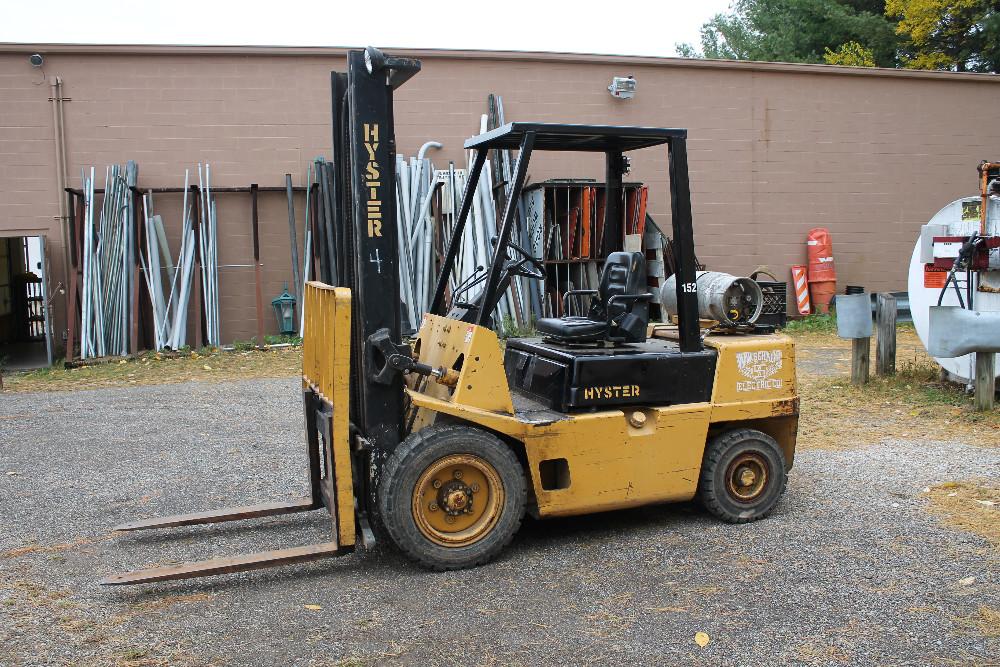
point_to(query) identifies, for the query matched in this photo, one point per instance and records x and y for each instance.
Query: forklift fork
(325, 389)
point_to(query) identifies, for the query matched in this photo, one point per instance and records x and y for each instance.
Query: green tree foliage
(850, 54)
(799, 31)
(961, 35)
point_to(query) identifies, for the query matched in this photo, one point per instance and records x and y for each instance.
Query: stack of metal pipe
(416, 188)
(422, 192)
(108, 257)
(168, 305)
(208, 251)
(170, 286)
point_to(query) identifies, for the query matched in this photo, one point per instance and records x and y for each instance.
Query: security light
(623, 87)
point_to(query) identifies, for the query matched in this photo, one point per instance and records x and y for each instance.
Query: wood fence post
(985, 380)
(885, 322)
(860, 360)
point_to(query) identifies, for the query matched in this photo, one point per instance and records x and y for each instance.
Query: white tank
(727, 299)
(922, 298)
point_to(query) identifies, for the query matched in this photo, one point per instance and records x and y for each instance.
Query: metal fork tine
(222, 515)
(229, 564)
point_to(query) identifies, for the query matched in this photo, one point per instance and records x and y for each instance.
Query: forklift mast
(364, 256)
(364, 194)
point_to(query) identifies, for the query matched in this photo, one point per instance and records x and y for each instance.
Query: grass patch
(512, 329)
(162, 368)
(813, 324)
(912, 403)
(973, 506)
(987, 621)
(282, 339)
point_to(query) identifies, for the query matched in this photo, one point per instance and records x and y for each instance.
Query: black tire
(409, 465)
(722, 487)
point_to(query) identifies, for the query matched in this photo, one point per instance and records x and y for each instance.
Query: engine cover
(566, 377)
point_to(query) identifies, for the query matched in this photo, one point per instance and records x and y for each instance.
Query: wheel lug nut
(436, 484)
(458, 474)
(449, 519)
(433, 507)
(475, 488)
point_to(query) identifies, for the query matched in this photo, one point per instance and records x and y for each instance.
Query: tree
(850, 54)
(799, 31)
(960, 35)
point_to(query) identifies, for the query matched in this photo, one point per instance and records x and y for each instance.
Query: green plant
(514, 330)
(818, 323)
(245, 345)
(283, 339)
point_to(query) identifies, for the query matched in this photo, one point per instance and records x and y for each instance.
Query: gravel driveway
(850, 569)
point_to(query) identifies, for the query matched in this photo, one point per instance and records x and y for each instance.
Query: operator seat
(618, 312)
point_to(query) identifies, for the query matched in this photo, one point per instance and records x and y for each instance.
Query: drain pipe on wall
(59, 139)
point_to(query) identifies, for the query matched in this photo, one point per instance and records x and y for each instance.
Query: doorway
(25, 342)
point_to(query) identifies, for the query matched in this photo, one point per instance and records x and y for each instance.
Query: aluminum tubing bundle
(727, 299)
(169, 302)
(416, 188)
(108, 248)
(208, 255)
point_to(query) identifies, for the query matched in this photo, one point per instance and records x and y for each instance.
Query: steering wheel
(527, 266)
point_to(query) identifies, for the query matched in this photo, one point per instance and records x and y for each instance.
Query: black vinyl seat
(619, 311)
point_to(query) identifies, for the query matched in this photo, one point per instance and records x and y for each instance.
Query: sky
(636, 27)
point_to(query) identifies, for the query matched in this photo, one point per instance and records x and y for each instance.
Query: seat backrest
(623, 273)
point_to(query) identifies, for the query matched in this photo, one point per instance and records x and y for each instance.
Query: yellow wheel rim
(746, 477)
(457, 500)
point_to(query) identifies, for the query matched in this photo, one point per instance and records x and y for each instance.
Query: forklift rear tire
(452, 496)
(742, 475)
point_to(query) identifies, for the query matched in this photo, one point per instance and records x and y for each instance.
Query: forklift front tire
(452, 496)
(742, 475)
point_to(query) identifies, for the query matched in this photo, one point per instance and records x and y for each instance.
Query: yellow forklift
(441, 446)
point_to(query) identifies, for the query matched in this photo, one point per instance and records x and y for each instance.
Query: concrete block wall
(774, 149)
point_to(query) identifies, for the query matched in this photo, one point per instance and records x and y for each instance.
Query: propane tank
(727, 299)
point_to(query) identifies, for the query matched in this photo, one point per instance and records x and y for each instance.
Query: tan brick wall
(773, 151)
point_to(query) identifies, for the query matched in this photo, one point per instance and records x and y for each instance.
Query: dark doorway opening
(24, 342)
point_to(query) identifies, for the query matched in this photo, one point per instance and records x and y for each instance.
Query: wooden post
(860, 360)
(985, 380)
(885, 322)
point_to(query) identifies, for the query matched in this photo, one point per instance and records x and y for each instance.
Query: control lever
(387, 358)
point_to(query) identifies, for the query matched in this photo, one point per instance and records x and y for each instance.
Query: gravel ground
(850, 569)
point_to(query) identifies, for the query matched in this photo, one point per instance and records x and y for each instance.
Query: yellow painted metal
(613, 464)
(614, 458)
(746, 477)
(457, 500)
(475, 353)
(755, 386)
(752, 369)
(326, 368)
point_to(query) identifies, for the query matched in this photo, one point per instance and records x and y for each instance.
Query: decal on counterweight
(758, 368)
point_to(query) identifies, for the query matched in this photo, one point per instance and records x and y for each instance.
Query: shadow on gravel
(604, 526)
(384, 562)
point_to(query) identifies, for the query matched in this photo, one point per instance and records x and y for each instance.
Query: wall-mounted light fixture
(622, 87)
